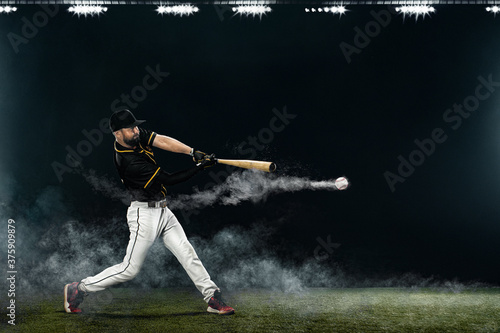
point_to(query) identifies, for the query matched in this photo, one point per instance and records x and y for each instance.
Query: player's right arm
(173, 145)
(170, 144)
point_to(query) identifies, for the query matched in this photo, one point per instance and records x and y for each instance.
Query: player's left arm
(170, 144)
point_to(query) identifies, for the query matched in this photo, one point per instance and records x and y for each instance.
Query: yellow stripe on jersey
(123, 151)
(150, 137)
(150, 179)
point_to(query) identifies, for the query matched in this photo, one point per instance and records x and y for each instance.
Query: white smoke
(237, 258)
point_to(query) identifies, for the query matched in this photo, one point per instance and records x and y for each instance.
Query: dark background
(226, 76)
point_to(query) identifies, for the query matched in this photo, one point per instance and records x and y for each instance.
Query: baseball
(341, 183)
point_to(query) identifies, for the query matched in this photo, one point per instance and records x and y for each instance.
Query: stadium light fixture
(417, 11)
(7, 9)
(256, 10)
(334, 10)
(180, 10)
(87, 10)
(494, 10)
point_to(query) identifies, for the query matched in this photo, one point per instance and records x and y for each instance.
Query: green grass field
(315, 310)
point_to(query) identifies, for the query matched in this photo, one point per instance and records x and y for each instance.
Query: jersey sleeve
(146, 137)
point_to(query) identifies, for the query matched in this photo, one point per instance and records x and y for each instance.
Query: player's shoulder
(146, 136)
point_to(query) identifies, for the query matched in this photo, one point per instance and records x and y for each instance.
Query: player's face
(131, 136)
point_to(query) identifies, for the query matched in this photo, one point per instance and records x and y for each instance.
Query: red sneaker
(216, 305)
(72, 298)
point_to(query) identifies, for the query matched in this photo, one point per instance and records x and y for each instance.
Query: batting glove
(197, 155)
(208, 161)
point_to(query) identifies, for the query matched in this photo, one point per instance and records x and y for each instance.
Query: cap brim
(136, 123)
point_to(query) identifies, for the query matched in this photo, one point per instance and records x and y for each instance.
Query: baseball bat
(249, 164)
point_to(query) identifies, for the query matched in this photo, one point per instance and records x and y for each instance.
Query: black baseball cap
(123, 119)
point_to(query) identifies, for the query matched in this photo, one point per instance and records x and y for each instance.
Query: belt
(158, 204)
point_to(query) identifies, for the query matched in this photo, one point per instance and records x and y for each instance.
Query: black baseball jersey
(140, 173)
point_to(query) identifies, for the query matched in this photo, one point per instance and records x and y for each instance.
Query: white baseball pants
(146, 225)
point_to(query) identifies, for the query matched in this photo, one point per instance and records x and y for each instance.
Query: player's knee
(131, 272)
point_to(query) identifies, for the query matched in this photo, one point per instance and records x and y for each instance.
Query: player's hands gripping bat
(207, 161)
(197, 155)
(200, 158)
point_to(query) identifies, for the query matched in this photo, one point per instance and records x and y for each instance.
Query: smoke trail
(104, 185)
(249, 185)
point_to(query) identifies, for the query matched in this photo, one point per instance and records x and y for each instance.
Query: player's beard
(132, 142)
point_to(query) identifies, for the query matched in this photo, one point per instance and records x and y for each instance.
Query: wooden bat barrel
(250, 164)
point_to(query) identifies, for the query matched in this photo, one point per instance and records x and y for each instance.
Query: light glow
(87, 10)
(494, 10)
(334, 10)
(181, 10)
(7, 9)
(417, 11)
(252, 10)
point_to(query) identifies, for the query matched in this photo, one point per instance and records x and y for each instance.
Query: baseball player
(148, 216)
